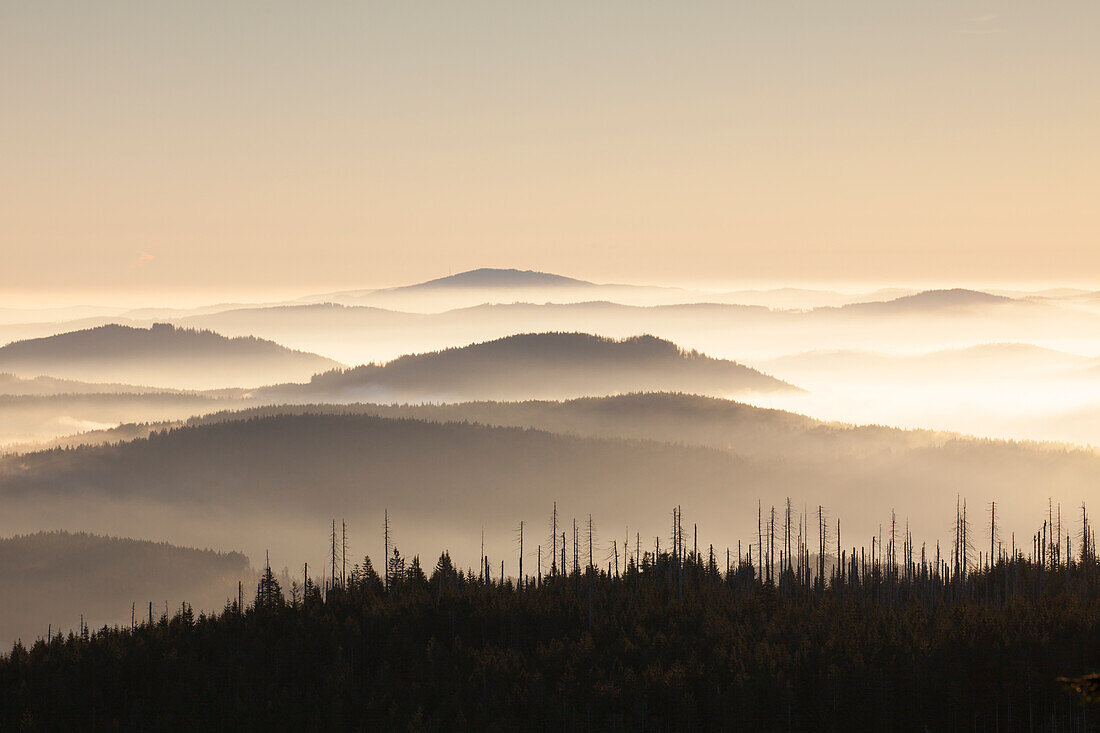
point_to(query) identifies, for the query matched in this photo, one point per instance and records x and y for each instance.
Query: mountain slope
(162, 355)
(276, 482)
(534, 365)
(743, 429)
(932, 300)
(497, 285)
(13, 385)
(377, 332)
(51, 579)
(489, 277)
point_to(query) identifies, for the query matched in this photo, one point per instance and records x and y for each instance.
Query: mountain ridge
(167, 356)
(548, 364)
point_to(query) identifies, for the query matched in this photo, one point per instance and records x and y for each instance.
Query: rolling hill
(743, 429)
(60, 576)
(13, 385)
(533, 365)
(275, 481)
(361, 334)
(547, 366)
(489, 277)
(497, 285)
(161, 355)
(932, 300)
(382, 330)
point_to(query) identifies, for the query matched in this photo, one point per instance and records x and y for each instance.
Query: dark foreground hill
(51, 580)
(160, 356)
(534, 365)
(672, 643)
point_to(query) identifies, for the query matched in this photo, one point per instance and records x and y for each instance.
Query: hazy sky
(268, 145)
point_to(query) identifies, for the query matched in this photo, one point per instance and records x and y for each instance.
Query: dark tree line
(781, 637)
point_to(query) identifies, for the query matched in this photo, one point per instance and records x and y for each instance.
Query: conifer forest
(660, 634)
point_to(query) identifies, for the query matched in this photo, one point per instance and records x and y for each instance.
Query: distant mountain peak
(952, 297)
(931, 300)
(492, 277)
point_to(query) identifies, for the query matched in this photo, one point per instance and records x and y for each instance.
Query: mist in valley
(463, 409)
(572, 366)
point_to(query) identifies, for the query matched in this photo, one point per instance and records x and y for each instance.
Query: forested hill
(931, 300)
(248, 483)
(160, 356)
(13, 385)
(736, 427)
(55, 578)
(535, 365)
(668, 417)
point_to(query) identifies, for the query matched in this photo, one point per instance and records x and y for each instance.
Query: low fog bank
(53, 579)
(539, 365)
(1017, 391)
(936, 320)
(33, 419)
(1010, 365)
(358, 334)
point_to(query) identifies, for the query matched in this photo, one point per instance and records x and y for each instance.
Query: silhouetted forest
(672, 637)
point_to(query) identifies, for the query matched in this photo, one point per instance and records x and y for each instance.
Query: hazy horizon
(156, 148)
(191, 296)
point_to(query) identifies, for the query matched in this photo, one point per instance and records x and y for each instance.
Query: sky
(242, 148)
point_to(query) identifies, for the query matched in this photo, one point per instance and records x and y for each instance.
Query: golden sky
(267, 145)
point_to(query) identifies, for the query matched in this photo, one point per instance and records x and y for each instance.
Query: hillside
(660, 642)
(490, 277)
(932, 300)
(162, 355)
(534, 365)
(13, 385)
(673, 418)
(361, 334)
(275, 482)
(499, 285)
(351, 334)
(381, 331)
(59, 576)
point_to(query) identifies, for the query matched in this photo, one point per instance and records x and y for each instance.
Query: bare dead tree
(521, 553)
(554, 535)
